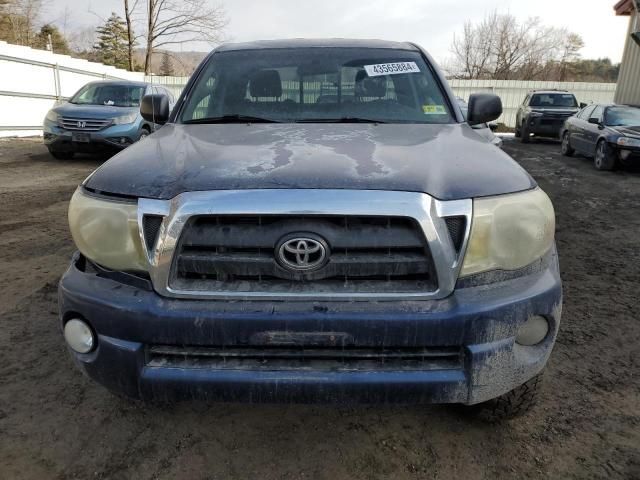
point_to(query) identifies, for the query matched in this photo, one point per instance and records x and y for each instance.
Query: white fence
(31, 81)
(512, 92)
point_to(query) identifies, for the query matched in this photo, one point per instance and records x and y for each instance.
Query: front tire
(524, 132)
(605, 157)
(144, 132)
(512, 404)
(566, 149)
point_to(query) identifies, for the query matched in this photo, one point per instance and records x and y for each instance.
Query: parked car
(608, 133)
(316, 222)
(543, 113)
(101, 116)
(482, 129)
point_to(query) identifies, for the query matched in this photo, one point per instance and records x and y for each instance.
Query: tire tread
(512, 404)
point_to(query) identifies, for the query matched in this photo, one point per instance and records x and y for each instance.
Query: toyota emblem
(302, 252)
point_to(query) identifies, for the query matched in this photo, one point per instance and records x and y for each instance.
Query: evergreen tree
(112, 46)
(166, 67)
(58, 42)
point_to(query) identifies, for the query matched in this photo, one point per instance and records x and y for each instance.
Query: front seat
(265, 84)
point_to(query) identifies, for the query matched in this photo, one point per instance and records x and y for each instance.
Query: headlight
(535, 114)
(107, 232)
(628, 142)
(52, 116)
(125, 119)
(509, 232)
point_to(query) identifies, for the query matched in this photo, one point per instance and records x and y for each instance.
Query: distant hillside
(184, 63)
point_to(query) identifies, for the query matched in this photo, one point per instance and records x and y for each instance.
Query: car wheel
(566, 149)
(512, 404)
(144, 133)
(605, 158)
(517, 132)
(524, 132)
(60, 155)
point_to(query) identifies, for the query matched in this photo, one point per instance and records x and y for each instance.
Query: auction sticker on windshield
(391, 68)
(434, 110)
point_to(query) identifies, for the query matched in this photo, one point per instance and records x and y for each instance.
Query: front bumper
(545, 126)
(482, 320)
(110, 138)
(628, 155)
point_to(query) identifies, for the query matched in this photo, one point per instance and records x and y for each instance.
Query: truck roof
(316, 43)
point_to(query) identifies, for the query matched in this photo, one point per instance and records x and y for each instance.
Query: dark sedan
(608, 133)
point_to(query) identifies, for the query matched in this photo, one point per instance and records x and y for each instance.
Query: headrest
(265, 83)
(370, 86)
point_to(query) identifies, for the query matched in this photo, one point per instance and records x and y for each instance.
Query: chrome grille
(240, 254)
(84, 124)
(423, 218)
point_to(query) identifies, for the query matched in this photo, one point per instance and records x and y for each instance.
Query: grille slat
(247, 233)
(367, 254)
(84, 124)
(340, 265)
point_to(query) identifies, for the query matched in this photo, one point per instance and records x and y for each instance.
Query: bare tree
(129, 9)
(570, 49)
(82, 40)
(500, 47)
(473, 50)
(172, 22)
(22, 17)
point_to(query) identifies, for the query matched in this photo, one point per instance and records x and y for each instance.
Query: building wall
(628, 90)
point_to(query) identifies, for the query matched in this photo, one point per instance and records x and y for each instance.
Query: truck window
(313, 84)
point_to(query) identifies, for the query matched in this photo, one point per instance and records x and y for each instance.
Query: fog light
(79, 336)
(533, 331)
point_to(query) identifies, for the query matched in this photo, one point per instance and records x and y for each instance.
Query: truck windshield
(622, 116)
(112, 95)
(553, 100)
(316, 85)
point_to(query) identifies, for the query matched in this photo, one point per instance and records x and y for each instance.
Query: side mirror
(583, 105)
(155, 108)
(594, 120)
(483, 108)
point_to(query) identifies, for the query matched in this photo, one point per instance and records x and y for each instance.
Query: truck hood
(93, 111)
(445, 161)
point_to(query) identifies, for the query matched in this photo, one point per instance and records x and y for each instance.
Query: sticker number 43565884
(391, 68)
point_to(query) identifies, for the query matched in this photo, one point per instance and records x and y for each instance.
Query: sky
(430, 23)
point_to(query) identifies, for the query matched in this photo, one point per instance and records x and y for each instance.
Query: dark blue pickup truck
(315, 222)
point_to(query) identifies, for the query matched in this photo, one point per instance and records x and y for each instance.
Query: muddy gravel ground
(55, 423)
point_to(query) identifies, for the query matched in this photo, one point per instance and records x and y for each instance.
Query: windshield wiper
(339, 120)
(231, 119)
